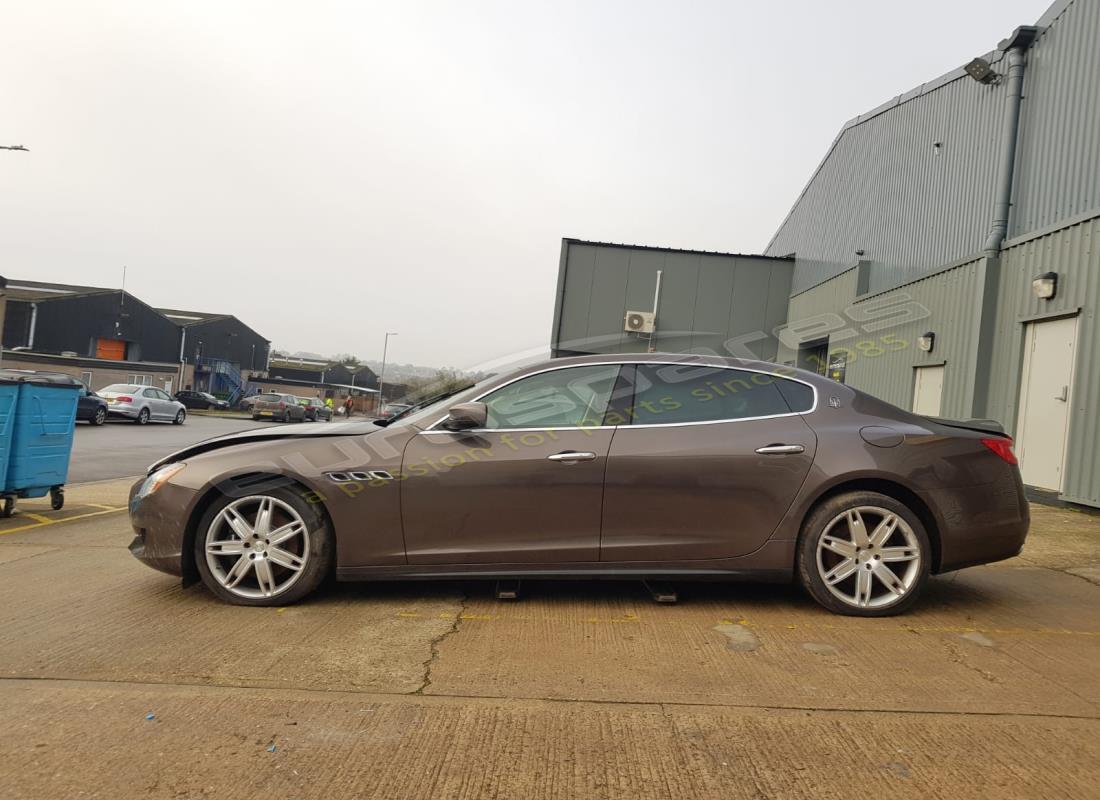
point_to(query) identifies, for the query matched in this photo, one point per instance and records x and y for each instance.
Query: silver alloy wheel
(257, 546)
(868, 557)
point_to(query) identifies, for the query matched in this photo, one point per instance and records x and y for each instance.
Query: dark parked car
(390, 410)
(315, 409)
(90, 407)
(280, 407)
(193, 399)
(658, 465)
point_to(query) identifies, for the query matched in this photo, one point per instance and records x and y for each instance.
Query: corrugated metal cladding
(945, 304)
(1074, 253)
(881, 348)
(831, 297)
(706, 298)
(1058, 154)
(885, 188)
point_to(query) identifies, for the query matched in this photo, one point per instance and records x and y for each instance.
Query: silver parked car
(142, 404)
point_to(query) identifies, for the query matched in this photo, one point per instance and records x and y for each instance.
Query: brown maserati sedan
(642, 466)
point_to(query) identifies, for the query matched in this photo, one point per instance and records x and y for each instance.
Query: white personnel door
(1045, 387)
(928, 390)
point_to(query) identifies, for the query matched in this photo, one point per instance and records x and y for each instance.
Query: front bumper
(160, 522)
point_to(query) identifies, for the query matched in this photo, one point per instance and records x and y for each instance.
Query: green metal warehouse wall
(1074, 253)
(882, 353)
(706, 298)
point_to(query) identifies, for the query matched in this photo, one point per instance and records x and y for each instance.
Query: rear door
(153, 403)
(709, 464)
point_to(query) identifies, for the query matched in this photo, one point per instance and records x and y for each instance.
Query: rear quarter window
(799, 396)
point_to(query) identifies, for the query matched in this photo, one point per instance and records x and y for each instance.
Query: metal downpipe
(1017, 63)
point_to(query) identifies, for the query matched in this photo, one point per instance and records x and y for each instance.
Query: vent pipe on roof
(1015, 47)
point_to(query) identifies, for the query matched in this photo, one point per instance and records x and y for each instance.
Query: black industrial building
(220, 336)
(86, 321)
(108, 335)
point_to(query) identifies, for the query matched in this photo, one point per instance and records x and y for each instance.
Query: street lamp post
(382, 374)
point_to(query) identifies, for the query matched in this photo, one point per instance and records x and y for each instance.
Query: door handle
(1064, 396)
(780, 449)
(572, 457)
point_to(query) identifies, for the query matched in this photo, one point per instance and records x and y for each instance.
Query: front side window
(668, 394)
(562, 398)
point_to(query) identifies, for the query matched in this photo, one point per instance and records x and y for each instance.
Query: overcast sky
(331, 171)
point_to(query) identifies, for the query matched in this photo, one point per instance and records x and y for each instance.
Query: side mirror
(466, 415)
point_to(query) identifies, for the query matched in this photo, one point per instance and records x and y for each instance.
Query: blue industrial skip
(9, 391)
(42, 429)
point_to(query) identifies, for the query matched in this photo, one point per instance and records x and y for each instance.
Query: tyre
(181, 415)
(9, 507)
(100, 416)
(269, 549)
(864, 554)
(57, 498)
(255, 417)
(142, 417)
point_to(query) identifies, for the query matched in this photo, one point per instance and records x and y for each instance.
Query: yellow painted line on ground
(103, 506)
(903, 628)
(46, 521)
(36, 517)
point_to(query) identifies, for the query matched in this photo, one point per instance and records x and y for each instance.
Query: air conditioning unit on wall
(638, 322)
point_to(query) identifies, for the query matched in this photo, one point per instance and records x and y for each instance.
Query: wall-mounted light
(937, 148)
(926, 341)
(1045, 286)
(861, 252)
(982, 71)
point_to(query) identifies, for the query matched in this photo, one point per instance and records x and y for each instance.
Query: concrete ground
(115, 682)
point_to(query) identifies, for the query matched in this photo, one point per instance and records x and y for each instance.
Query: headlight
(159, 478)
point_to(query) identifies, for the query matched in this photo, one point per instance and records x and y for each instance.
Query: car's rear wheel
(263, 550)
(864, 554)
(100, 416)
(142, 417)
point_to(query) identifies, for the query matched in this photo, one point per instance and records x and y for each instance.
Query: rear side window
(667, 394)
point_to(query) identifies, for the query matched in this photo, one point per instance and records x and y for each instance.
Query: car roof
(701, 359)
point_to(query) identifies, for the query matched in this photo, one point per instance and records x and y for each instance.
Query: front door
(710, 463)
(526, 489)
(1045, 389)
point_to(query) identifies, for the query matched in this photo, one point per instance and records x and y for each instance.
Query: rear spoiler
(980, 425)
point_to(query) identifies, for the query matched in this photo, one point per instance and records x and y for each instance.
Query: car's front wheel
(100, 416)
(864, 554)
(181, 415)
(263, 550)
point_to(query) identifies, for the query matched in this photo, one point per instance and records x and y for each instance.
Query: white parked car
(142, 404)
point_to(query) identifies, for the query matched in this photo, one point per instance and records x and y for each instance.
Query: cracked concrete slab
(417, 689)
